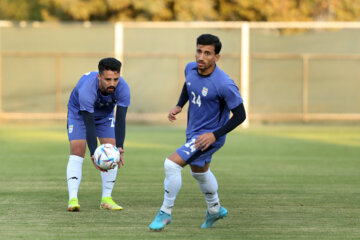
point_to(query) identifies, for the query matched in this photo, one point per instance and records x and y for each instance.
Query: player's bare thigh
(175, 157)
(197, 169)
(107, 140)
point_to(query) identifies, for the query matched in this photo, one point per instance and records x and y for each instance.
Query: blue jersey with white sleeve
(87, 96)
(210, 100)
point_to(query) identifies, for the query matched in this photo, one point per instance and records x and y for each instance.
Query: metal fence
(285, 71)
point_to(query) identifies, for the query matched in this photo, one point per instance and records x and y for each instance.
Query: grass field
(278, 182)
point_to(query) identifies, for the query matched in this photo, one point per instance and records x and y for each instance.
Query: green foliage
(16, 10)
(185, 10)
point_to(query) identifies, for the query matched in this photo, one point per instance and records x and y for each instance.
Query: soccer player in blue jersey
(91, 116)
(211, 95)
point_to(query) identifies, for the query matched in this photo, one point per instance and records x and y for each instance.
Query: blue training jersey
(210, 100)
(86, 96)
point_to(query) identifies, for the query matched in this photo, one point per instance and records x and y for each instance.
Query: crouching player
(91, 116)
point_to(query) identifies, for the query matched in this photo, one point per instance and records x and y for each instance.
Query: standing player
(212, 95)
(91, 115)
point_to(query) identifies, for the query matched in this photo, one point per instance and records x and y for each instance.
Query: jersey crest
(71, 128)
(204, 91)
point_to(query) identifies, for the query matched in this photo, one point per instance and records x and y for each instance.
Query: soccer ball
(107, 156)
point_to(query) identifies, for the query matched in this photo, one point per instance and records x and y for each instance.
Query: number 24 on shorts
(191, 145)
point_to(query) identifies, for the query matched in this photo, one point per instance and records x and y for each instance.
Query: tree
(176, 10)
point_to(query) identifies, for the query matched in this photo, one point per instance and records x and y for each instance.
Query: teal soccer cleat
(161, 220)
(212, 218)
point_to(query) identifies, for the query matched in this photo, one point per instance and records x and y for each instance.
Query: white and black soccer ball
(107, 156)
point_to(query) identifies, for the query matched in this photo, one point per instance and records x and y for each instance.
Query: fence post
(1, 79)
(244, 82)
(58, 87)
(181, 77)
(1, 56)
(305, 92)
(119, 42)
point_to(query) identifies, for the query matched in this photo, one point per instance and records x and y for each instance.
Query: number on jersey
(196, 100)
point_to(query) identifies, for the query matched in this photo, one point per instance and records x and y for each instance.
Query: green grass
(278, 182)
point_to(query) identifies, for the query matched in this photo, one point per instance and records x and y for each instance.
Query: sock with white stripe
(172, 184)
(209, 186)
(108, 181)
(73, 175)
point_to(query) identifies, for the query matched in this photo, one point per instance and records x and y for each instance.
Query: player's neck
(206, 72)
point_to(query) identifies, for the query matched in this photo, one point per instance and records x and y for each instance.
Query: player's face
(108, 81)
(206, 58)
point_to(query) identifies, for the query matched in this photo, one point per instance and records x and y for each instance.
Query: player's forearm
(238, 117)
(91, 139)
(120, 126)
(184, 97)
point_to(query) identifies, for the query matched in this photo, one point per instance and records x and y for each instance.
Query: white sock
(108, 181)
(73, 175)
(172, 184)
(209, 187)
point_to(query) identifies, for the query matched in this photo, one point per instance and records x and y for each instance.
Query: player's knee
(78, 152)
(207, 181)
(78, 147)
(171, 167)
(200, 177)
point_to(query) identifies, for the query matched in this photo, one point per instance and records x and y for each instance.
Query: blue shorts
(104, 128)
(196, 157)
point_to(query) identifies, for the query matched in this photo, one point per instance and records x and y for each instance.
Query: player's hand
(96, 166)
(173, 112)
(204, 141)
(121, 157)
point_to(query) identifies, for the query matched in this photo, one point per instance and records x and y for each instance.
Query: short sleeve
(87, 97)
(230, 93)
(122, 94)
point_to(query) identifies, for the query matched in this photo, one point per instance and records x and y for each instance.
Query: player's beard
(110, 90)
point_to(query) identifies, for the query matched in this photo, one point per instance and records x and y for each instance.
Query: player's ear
(217, 57)
(98, 76)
